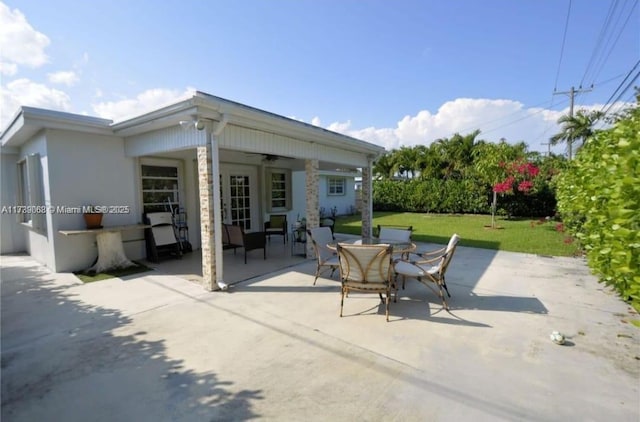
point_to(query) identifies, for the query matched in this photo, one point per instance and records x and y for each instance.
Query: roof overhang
(209, 107)
(30, 120)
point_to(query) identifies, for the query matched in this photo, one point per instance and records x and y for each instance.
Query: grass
(89, 278)
(528, 235)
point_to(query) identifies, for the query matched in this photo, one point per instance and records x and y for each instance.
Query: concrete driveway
(157, 347)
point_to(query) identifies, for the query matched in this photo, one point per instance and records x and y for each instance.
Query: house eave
(28, 121)
(210, 107)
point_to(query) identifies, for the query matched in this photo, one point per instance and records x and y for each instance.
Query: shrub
(599, 201)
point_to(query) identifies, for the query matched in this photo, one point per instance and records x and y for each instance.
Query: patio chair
(160, 239)
(388, 234)
(320, 237)
(389, 230)
(366, 268)
(328, 222)
(429, 268)
(234, 237)
(277, 225)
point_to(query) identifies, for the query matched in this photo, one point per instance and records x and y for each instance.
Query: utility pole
(548, 144)
(571, 93)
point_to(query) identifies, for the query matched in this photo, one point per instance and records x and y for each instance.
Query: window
(279, 187)
(336, 185)
(30, 193)
(160, 188)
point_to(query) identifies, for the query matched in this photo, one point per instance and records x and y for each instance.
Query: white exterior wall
(13, 236)
(342, 202)
(37, 243)
(91, 169)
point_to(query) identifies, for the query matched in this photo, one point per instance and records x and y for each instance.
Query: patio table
(399, 247)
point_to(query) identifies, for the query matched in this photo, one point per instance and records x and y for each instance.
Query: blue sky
(389, 72)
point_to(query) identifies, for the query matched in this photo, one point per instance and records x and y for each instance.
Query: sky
(394, 73)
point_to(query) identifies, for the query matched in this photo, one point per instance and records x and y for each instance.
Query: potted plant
(92, 217)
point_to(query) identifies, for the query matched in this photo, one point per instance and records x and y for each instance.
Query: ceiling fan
(270, 157)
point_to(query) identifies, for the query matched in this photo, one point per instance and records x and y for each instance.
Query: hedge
(599, 202)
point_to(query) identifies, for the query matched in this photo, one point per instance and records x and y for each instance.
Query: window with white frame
(336, 186)
(31, 208)
(160, 187)
(279, 189)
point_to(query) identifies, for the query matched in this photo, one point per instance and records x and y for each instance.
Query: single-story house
(215, 159)
(336, 192)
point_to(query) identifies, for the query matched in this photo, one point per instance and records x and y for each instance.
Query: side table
(299, 235)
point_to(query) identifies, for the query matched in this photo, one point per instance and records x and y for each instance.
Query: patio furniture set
(374, 264)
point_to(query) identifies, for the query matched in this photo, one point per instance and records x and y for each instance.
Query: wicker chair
(366, 268)
(320, 237)
(429, 268)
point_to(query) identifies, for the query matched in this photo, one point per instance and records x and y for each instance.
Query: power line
(604, 60)
(564, 39)
(603, 31)
(621, 83)
(623, 91)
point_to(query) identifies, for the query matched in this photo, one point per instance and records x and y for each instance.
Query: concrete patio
(157, 347)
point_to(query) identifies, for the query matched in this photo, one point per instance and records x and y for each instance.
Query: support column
(367, 200)
(210, 225)
(313, 199)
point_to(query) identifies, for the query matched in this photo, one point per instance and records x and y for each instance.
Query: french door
(239, 196)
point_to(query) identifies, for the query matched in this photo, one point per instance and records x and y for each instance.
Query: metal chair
(429, 268)
(320, 237)
(366, 268)
(277, 225)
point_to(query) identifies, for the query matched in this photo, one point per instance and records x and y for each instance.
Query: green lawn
(515, 235)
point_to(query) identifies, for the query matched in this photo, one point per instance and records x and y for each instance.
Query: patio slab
(158, 347)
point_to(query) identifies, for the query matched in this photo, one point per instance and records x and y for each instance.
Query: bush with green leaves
(599, 202)
(454, 196)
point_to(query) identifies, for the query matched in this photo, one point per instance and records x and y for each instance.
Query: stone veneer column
(367, 201)
(207, 226)
(313, 199)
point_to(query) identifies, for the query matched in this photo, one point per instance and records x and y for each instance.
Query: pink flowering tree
(518, 175)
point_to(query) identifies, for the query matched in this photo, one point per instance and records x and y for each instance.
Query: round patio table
(399, 247)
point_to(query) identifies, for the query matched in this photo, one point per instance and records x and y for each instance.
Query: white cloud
(143, 103)
(20, 44)
(26, 92)
(68, 78)
(496, 119)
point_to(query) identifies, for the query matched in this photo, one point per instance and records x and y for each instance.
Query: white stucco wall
(35, 242)
(342, 202)
(13, 237)
(91, 169)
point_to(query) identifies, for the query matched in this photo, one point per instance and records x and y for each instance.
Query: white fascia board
(338, 173)
(253, 118)
(31, 120)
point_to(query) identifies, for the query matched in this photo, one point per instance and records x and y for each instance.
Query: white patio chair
(320, 237)
(429, 268)
(366, 268)
(394, 235)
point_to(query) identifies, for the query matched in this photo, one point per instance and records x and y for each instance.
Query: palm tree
(404, 161)
(578, 127)
(383, 167)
